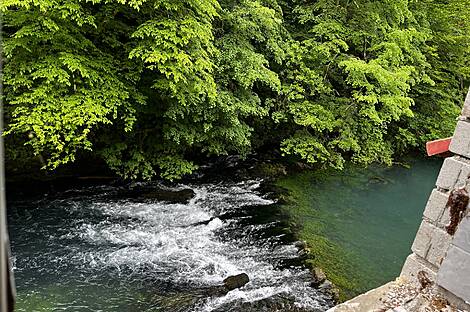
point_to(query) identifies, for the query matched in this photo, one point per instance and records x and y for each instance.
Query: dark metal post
(4, 276)
(6, 280)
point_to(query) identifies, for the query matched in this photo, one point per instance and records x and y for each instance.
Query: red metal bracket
(437, 147)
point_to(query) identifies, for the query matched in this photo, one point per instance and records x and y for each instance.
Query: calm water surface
(370, 215)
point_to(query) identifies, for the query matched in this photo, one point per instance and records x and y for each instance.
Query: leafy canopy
(152, 86)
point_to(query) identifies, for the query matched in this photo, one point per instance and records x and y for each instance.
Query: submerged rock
(275, 303)
(329, 288)
(215, 291)
(177, 197)
(377, 180)
(236, 281)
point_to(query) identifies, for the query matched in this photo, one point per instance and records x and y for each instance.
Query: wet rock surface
(318, 277)
(229, 283)
(171, 196)
(329, 288)
(236, 281)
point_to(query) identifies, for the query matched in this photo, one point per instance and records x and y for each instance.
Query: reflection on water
(95, 249)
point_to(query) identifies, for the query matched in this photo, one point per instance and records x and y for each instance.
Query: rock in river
(236, 281)
(318, 276)
(179, 197)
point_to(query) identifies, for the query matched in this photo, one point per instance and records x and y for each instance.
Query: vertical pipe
(3, 256)
(3, 232)
(6, 287)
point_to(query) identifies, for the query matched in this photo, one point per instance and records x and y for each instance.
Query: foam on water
(180, 244)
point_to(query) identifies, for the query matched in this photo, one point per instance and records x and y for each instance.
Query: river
(360, 222)
(108, 248)
(113, 248)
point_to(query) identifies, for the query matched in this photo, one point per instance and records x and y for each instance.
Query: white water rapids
(92, 239)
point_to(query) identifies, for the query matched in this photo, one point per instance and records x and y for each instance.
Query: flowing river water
(114, 248)
(108, 248)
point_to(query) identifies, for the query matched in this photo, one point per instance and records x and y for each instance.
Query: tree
(363, 59)
(150, 86)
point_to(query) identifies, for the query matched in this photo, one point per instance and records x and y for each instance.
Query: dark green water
(360, 223)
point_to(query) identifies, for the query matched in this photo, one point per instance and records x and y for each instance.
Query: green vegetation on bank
(150, 87)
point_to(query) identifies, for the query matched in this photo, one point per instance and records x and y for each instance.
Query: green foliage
(438, 104)
(149, 86)
(58, 85)
(362, 58)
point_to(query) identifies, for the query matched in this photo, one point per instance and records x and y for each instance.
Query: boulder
(318, 277)
(330, 289)
(177, 197)
(236, 281)
(326, 285)
(300, 244)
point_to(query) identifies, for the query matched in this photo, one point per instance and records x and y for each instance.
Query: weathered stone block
(460, 143)
(462, 236)
(445, 219)
(440, 242)
(466, 106)
(435, 206)
(453, 173)
(454, 274)
(422, 240)
(415, 264)
(431, 243)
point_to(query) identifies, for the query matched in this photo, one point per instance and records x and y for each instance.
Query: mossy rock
(270, 170)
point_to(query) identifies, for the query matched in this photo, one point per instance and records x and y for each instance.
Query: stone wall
(444, 257)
